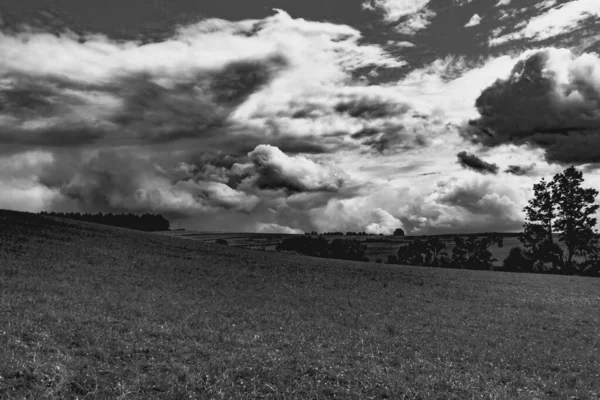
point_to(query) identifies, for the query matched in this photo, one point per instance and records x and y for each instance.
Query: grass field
(378, 247)
(88, 311)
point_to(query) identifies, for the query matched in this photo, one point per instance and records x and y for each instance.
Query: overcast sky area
(436, 116)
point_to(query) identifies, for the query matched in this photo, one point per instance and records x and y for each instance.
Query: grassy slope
(99, 312)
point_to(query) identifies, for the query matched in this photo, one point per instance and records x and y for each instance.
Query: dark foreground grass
(95, 312)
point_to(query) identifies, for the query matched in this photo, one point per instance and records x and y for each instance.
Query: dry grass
(95, 312)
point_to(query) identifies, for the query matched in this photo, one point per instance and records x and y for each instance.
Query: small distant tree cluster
(473, 252)
(319, 246)
(423, 251)
(558, 234)
(144, 222)
(470, 252)
(517, 261)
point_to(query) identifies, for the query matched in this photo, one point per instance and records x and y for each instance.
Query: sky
(286, 116)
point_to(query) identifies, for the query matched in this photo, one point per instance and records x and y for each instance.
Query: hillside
(90, 311)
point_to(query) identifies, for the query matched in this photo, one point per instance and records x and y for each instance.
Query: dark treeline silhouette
(319, 246)
(143, 222)
(471, 252)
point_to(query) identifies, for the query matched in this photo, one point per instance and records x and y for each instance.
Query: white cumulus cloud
(474, 21)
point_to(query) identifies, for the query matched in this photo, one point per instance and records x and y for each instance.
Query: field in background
(88, 311)
(378, 247)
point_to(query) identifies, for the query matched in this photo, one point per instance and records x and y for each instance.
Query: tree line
(144, 222)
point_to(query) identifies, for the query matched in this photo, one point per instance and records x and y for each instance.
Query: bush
(222, 242)
(516, 261)
(423, 251)
(307, 245)
(347, 250)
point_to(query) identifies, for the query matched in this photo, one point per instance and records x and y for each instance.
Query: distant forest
(144, 222)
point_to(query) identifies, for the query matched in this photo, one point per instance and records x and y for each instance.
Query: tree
(537, 233)
(517, 261)
(399, 232)
(473, 253)
(575, 222)
(423, 251)
(561, 206)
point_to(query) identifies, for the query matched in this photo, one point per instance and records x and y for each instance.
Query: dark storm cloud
(370, 109)
(233, 84)
(534, 106)
(149, 112)
(28, 99)
(472, 162)
(39, 112)
(519, 170)
(389, 137)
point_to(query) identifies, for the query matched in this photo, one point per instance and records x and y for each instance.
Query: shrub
(222, 242)
(516, 261)
(307, 245)
(347, 250)
(423, 251)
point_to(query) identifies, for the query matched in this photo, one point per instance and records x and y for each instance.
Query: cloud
(519, 170)
(18, 181)
(384, 223)
(274, 228)
(167, 126)
(122, 181)
(416, 22)
(276, 124)
(503, 3)
(556, 20)
(463, 205)
(450, 85)
(206, 77)
(393, 10)
(550, 101)
(471, 161)
(474, 21)
(277, 170)
(355, 214)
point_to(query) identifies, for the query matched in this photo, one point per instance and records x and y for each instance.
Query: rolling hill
(90, 311)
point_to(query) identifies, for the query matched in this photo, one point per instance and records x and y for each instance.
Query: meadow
(95, 312)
